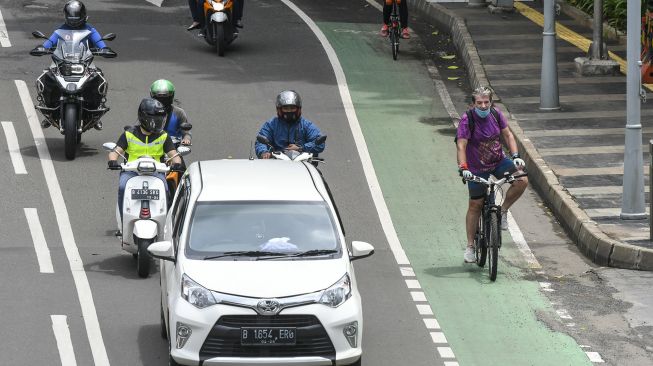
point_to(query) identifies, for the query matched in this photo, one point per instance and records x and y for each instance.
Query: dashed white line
(407, 271)
(446, 352)
(65, 228)
(594, 357)
(451, 363)
(64, 342)
(4, 36)
(40, 245)
(413, 284)
(438, 337)
(431, 323)
(14, 148)
(424, 309)
(155, 2)
(563, 314)
(418, 296)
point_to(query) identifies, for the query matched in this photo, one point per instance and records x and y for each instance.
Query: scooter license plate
(145, 194)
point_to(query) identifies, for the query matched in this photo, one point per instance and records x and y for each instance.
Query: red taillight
(145, 213)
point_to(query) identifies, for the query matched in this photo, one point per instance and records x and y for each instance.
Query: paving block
(624, 256)
(645, 259)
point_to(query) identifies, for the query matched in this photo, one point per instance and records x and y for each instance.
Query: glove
(38, 51)
(177, 167)
(519, 162)
(114, 165)
(107, 52)
(464, 172)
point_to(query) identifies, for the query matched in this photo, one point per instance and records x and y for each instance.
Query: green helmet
(163, 91)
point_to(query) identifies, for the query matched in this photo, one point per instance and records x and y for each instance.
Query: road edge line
(64, 342)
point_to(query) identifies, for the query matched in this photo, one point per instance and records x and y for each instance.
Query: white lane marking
(418, 296)
(14, 148)
(64, 343)
(378, 6)
(4, 36)
(407, 271)
(594, 357)
(431, 323)
(359, 139)
(84, 294)
(521, 243)
(438, 337)
(546, 286)
(155, 2)
(451, 363)
(40, 245)
(446, 352)
(424, 309)
(413, 284)
(563, 314)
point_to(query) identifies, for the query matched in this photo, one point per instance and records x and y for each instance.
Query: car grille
(224, 338)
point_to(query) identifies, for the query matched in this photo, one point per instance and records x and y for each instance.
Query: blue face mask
(482, 113)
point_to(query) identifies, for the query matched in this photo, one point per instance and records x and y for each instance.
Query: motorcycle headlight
(195, 294)
(218, 6)
(77, 69)
(338, 293)
(146, 167)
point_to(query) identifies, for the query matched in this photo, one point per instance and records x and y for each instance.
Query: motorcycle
(145, 206)
(220, 27)
(77, 101)
(293, 155)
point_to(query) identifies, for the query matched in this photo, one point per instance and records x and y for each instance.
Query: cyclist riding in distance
(480, 153)
(403, 18)
(176, 124)
(289, 130)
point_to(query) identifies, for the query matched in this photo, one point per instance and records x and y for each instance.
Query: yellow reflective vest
(137, 148)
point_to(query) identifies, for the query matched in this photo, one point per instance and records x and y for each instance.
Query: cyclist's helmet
(151, 115)
(163, 91)
(289, 98)
(74, 13)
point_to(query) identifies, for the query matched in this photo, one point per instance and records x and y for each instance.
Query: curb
(589, 238)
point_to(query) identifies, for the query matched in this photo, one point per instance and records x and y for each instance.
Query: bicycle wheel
(492, 239)
(393, 41)
(479, 243)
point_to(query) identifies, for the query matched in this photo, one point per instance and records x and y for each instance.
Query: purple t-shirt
(484, 152)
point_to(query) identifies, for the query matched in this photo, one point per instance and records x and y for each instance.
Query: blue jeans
(197, 10)
(124, 177)
(478, 190)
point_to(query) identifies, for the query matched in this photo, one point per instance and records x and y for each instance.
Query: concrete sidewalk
(574, 155)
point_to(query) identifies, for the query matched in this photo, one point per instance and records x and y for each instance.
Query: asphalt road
(227, 100)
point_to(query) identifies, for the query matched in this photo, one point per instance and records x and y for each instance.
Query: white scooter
(293, 155)
(145, 206)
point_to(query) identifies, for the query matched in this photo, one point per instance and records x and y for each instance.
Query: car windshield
(249, 231)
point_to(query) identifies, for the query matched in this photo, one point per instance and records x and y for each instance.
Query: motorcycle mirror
(109, 37)
(320, 140)
(262, 139)
(39, 34)
(183, 150)
(109, 146)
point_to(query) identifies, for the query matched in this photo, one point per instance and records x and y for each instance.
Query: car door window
(179, 212)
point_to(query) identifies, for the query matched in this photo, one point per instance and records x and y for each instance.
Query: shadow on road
(153, 348)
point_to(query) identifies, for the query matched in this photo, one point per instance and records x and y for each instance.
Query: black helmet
(152, 115)
(289, 98)
(75, 14)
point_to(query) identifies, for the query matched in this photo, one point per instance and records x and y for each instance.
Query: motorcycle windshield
(72, 46)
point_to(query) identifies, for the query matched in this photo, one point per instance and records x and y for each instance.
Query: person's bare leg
(514, 192)
(473, 213)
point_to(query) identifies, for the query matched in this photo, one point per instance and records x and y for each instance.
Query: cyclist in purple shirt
(480, 153)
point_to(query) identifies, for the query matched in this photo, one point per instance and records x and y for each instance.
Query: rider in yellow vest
(146, 138)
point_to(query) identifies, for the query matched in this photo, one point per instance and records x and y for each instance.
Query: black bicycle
(487, 240)
(395, 31)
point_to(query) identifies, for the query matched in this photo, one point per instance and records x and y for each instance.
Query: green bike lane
(410, 140)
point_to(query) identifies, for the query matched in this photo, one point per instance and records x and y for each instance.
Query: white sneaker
(504, 220)
(470, 256)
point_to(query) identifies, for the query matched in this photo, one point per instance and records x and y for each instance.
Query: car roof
(256, 180)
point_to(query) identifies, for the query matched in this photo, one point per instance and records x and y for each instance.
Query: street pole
(549, 97)
(633, 204)
(597, 34)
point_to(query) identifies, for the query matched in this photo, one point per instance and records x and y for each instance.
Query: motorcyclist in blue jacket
(289, 130)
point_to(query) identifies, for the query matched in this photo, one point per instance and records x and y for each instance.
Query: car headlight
(195, 294)
(337, 294)
(218, 6)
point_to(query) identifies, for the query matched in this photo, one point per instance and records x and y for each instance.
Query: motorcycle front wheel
(220, 42)
(70, 117)
(143, 260)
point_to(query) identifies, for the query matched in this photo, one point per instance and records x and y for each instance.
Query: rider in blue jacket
(289, 130)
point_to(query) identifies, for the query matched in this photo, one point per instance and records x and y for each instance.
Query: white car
(255, 269)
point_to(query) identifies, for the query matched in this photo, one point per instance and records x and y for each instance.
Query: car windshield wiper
(308, 253)
(242, 253)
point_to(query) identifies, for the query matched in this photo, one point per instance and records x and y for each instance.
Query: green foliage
(614, 11)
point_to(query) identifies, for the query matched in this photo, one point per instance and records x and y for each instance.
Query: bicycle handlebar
(508, 178)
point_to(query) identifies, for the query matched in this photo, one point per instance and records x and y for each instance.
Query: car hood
(266, 278)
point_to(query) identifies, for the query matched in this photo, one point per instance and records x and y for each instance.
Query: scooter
(220, 28)
(145, 206)
(293, 155)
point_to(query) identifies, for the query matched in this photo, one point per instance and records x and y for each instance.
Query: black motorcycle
(72, 91)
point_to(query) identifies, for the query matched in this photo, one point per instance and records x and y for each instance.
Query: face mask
(482, 113)
(290, 117)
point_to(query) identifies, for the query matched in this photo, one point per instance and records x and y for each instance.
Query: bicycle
(395, 30)
(487, 239)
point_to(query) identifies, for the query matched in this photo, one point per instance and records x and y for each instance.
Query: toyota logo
(268, 307)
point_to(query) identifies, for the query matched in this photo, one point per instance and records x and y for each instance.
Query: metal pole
(549, 97)
(633, 204)
(650, 191)
(597, 34)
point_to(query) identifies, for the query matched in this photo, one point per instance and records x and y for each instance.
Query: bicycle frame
(394, 29)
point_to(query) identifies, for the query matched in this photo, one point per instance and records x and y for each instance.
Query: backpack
(471, 122)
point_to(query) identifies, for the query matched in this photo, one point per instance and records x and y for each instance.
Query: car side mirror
(109, 37)
(262, 139)
(39, 34)
(360, 250)
(109, 146)
(162, 250)
(320, 140)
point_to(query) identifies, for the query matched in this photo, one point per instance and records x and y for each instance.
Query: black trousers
(403, 13)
